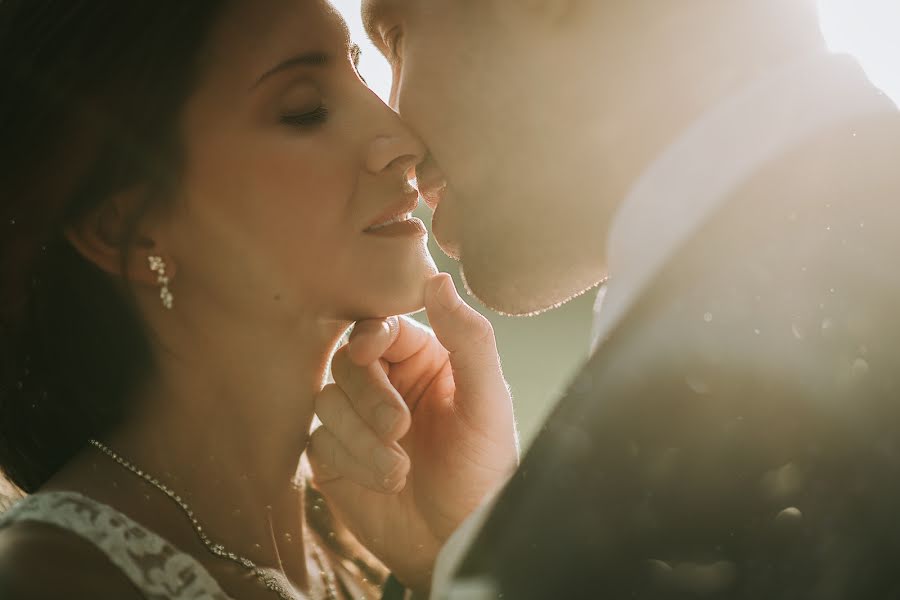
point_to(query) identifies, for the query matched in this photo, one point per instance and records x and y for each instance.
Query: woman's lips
(410, 226)
(398, 212)
(398, 221)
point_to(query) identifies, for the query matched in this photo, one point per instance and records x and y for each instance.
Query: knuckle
(385, 366)
(483, 329)
(386, 396)
(377, 388)
(317, 444)
(332, 407)
(340, 364)
(369, 447)
(328, 392)
(326, 399)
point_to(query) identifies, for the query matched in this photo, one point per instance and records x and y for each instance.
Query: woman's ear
(100, 237)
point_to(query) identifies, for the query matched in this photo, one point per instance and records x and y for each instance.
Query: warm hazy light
(372, 66)
(868, 29)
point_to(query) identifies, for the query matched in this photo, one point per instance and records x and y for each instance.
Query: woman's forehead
(255, 36)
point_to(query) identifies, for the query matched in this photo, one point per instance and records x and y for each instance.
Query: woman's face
(290, 161)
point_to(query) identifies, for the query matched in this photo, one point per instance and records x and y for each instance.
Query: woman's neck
(225, 423)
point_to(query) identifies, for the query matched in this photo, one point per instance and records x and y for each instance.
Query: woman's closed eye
(311, 118)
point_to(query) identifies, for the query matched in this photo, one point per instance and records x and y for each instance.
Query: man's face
(491, 87)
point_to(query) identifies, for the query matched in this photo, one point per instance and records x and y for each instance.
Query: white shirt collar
(694, 175)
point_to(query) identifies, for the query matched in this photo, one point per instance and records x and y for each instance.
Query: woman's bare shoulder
(43, 562)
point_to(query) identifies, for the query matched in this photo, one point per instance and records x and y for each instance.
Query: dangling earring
(159, 267)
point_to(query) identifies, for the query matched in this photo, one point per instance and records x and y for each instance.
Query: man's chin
(446, 240)
(518, 293)
(512, 277)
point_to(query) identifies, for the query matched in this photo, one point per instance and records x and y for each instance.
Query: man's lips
(395, 214)
(432, 188)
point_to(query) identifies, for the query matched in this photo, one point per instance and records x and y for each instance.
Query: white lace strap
(155, 567)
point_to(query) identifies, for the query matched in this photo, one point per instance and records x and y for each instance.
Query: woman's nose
(399, 151)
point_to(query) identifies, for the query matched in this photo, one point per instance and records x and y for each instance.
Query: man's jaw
(444, 232)
(522, 280)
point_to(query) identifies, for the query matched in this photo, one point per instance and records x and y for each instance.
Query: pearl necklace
(217, 549)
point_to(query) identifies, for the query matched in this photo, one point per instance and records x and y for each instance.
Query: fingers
(371, 338)
(347, 447)
(371, 395)
(394, 339)
(469, 338)
(331, 462)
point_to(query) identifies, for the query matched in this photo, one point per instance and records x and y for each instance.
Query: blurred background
(541, 353)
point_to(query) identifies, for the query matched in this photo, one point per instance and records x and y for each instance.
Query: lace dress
(155, 567)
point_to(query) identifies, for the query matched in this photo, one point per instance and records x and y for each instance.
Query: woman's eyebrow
(309, 59)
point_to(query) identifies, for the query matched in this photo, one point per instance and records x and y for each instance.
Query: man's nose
(430, 180)
(394, 152)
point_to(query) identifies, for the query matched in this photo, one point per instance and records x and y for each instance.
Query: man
(734, 434)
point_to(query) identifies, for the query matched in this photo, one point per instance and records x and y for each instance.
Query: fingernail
(447, 295)
(386, 460)
(386, 418)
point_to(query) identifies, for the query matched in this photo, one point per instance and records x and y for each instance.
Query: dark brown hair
(89, 105)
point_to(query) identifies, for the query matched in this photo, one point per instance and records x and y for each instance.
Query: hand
(417, 431)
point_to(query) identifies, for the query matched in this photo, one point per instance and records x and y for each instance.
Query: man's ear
(538, 12)
(100, 237)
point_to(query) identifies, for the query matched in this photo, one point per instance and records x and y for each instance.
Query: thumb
(469, 338)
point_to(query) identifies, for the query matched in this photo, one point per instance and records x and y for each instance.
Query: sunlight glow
(373, 67)
(869, 30)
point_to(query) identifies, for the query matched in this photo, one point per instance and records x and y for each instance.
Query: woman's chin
(401, 297)
(389, 308)
(412, 298)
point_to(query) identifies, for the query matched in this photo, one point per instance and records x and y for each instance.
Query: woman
(199, 199)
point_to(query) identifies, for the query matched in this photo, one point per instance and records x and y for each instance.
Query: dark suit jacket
(738, 434)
